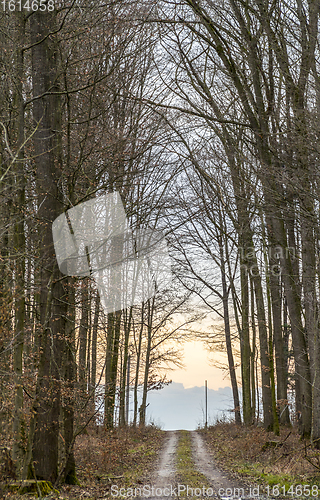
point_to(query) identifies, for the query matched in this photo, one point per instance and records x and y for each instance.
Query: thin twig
(15, 156)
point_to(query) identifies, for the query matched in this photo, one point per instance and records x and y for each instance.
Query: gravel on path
(223, 484)
(163, 482)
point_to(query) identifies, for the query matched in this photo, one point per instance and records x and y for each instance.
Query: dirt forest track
(165, 481)
(147, 463)
(227, 460)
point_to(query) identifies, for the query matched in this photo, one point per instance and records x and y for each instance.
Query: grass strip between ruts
(187, 474)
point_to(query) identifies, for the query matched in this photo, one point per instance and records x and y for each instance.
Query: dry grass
(187, 472)
(260, 455)
(124, 457)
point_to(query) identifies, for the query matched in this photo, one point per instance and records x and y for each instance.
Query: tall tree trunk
(225, 295)
(89, 353)
(47, 149)
(270, 271)
(108, 408)
(19, 251)
(95, 327)
(143, 406)
(138, 356)
(253, 355)
(293, 253)
(264, 347)
(69, 365)
(127, 328)
(6, 285)
(308, 223)
(303, 378)
(83, 336)
(276, 428)
(245, 344)
(280, 353)
(113, 342)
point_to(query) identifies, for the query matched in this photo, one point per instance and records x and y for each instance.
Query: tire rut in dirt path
(222, 483)
(166, 470)
(161, 484)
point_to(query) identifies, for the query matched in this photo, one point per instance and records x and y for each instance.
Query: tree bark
(253, 356)
(232, 369)
(113, 341)
(143, 406)
(95, 327)
(47, 148)
(138, 356)
(69, 365)
(127, 328)
(19, 251)
(280, 356)
(83, 336)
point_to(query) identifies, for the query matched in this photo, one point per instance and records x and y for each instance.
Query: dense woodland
(205, 116)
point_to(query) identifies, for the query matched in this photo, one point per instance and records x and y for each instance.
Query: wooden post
(206, 399)
(128, 389)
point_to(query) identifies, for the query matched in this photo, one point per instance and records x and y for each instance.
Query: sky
(175, 407)
(181, 404)
(199, 367)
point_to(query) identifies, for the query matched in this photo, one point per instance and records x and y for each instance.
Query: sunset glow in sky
(198, 368)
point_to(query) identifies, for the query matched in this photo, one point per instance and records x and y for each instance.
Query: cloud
(175, 407)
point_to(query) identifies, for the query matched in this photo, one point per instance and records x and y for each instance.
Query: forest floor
(225, 461)
(259, 457)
